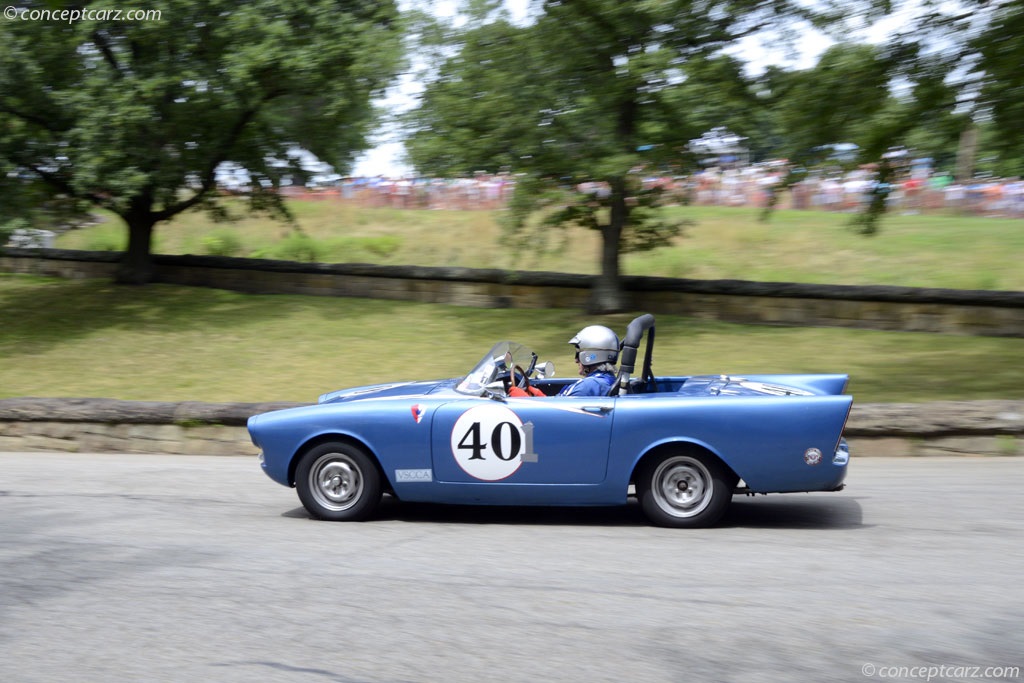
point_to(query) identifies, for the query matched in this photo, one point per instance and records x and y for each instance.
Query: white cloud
(384, 159)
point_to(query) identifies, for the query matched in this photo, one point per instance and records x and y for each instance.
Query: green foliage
(30, 201)
(715, 93)
(586, 94)
(8, 228)
(382, 246)
(867, 220)
(223, 242)
(136, 117)
(651, 76)
(477, 116)
(560, 207)
(297, 246)
(653, 229)
(951, 67)
(980, 59)
(835, 101)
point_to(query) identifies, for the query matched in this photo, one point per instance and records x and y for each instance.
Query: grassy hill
(75, 338)
(161, 342)
(795, 246)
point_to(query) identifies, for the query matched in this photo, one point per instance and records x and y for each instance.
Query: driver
(597, 349)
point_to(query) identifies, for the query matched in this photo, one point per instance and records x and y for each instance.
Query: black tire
(338, 482)
(685, 490)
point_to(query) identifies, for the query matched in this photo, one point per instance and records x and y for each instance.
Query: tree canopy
(590, 91)
(138, 116)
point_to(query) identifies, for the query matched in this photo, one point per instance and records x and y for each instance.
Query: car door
(555, 440)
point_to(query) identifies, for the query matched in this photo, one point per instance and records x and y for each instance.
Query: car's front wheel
(338, 482)
(685, 490)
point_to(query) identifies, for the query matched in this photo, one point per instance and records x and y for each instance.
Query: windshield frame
(492, 366)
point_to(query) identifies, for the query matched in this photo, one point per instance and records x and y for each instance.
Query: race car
(500, 435)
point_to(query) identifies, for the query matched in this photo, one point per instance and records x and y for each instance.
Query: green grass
(819, 247)
(91, 338)
(795, 246)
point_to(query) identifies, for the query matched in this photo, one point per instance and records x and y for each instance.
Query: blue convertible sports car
(683, 444)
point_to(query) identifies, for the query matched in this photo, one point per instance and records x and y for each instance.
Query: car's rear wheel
(338, 482)
(685, 490)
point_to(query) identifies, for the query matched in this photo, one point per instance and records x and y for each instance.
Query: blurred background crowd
(920, 190)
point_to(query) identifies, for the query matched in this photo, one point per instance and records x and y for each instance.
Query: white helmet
(596, 344)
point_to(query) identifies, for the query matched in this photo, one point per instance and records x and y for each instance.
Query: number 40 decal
(490, 442)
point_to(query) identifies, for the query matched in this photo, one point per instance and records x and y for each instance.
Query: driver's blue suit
(596, 384)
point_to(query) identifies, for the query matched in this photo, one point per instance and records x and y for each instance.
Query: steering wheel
(516, 377)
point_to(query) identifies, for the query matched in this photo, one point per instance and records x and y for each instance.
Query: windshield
(492, 366)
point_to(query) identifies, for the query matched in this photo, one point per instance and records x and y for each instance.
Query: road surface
(166, 568)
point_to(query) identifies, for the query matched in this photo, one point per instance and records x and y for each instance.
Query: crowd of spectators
(849, 191)
(482, 191)
(753, 186)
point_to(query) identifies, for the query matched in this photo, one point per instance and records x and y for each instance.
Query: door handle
(597, 410)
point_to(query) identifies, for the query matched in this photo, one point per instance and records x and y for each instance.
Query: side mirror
(545, 369)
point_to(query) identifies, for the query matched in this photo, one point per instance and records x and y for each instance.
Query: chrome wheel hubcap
(682, 486)
(336, 481)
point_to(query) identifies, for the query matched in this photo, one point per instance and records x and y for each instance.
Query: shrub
(8, 228)
(298, 246)
(222, 243)
(384, 246)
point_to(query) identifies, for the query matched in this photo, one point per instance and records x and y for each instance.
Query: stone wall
(85, 425)
(993, 428)
(871, 307)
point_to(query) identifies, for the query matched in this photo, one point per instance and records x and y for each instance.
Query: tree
(952, 78)
(999, 107)
(584, 96)
(924, 89)
(137, 115)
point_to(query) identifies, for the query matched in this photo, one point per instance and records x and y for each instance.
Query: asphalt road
(161, 568)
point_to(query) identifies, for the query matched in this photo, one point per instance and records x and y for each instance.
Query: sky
(385, 158)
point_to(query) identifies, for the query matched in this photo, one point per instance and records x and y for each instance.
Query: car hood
(389, 390)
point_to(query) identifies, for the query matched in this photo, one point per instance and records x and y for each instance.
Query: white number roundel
(488, 442)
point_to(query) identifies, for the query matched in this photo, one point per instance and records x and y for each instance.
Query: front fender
(396, 432)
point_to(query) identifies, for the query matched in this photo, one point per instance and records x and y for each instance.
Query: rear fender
(769, 442)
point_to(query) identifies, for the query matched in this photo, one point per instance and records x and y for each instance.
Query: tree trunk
(137, 263)
(607, 295)
(966, 153)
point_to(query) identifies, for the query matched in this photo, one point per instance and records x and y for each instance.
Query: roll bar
(630, 346)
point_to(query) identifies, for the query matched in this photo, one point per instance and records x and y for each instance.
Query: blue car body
(465, 441)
